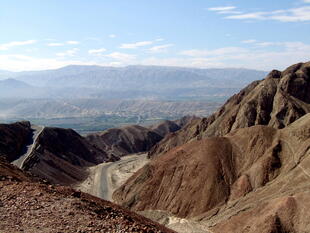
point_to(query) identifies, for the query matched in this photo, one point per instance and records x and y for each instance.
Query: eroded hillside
(277, 101)
(244, 169)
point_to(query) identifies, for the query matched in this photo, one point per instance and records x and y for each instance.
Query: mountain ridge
(211, 175)
(64, 76)
(278, 100)
(236, 172)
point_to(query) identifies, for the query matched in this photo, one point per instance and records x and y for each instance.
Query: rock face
(59, 155)
(258, 174)
(123, 141)
(29, 206)
(13, 138)
(277, 101)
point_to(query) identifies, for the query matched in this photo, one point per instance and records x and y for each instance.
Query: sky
(49, 34)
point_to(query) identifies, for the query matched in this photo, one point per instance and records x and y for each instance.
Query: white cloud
(291, 53)
(264, 44)
(112, 36)
(19, 62)
(159, 39)
(55, 44)
(255, 15)
(251, 41)
(255, 58)
(136, 45)
(160, 48)
(73, 42)
(307, 1)
(300, 14)
(16, 43)
(31, 50)
(68, 53)
(96, 51)
(222, 8)
(121, 56)
(254, 54)
(215, 52)
(69, 42)
(283, 45)
(293, 15)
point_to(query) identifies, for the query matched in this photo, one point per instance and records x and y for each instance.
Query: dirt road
(105, 178)
(36, 132)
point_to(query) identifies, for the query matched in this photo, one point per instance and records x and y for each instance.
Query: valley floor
(104, 178)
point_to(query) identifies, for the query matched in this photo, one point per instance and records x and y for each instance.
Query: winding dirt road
(105, 178)
(37, 130)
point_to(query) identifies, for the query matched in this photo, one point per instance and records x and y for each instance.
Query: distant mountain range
(5, 74)
(12, 88)
(132, 94)
(133, 77)
(153, 82)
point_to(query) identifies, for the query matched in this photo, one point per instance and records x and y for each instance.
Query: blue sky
(49, 34)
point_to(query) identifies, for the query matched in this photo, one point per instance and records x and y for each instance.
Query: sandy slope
(104, 178)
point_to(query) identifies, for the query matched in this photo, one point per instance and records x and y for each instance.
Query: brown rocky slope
(165, 127)
(60, 155)
(135, 138)
(277, 101)
(30, 206)
(125, 140)
(254, 179)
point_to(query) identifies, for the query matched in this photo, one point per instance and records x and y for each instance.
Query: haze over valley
(94, 98)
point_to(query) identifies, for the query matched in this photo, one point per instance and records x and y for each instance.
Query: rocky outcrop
(277, 101)
(258, 174)
(29, 206)
(123, 141)
(13, 139)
